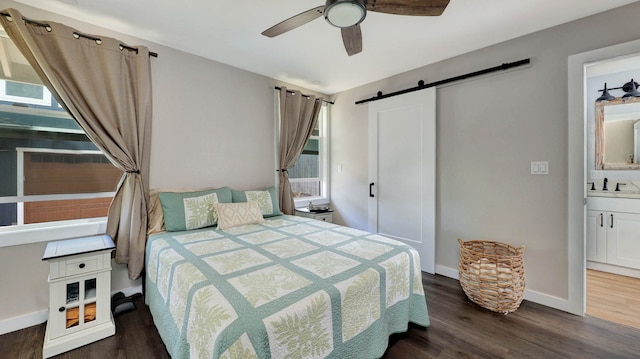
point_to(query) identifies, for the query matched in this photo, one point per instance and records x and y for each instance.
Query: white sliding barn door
(402, 164)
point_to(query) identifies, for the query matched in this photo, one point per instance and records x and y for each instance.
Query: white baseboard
(23, 321)
(547, 300)
(34, 318)
(447, 272)
(129, 291)
(530, 295)
(603, 267)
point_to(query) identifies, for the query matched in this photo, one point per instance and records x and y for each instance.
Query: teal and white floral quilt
(292, 287)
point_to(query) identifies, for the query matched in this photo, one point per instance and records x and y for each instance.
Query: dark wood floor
(459, 329)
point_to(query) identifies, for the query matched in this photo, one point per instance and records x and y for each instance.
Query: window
(23, 93)
(309, 176)
(53, 171)
(52, 175)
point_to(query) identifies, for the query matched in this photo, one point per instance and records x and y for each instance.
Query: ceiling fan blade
(294, 21)
(408, 7)
(352, 38)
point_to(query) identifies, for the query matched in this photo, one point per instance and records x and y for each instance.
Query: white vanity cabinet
(596, 236)
(613, 231)
(623, 239)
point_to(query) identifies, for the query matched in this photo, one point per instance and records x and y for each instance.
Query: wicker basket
(492, 274)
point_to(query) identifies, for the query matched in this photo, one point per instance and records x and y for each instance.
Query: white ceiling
(313, 55)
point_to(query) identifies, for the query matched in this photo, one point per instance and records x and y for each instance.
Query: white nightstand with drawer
(79, 293)
(326, 215)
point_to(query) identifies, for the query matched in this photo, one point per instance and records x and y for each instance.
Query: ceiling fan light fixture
(345, 13)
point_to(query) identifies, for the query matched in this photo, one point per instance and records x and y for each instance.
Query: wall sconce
(606, 96)
(630, 88)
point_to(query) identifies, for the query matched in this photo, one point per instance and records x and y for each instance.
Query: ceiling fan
(348, 14)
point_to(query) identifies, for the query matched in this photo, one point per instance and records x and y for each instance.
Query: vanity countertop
(628, 189)
(613, 194)
(618, 204)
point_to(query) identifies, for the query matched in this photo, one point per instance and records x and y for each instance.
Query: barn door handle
(371, 189)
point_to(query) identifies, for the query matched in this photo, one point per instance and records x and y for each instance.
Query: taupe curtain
(298, 117)
(107, 89)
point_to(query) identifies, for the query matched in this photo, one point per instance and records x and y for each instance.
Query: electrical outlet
(539, 167)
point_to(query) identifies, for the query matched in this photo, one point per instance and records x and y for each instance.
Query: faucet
(604, 188)
(618, 184)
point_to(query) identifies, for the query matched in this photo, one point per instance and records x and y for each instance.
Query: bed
(282, 287)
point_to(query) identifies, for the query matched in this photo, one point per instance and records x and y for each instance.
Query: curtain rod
(77, 34)
(422, 85)
(329, 102)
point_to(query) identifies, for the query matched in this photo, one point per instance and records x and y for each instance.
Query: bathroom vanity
(613, 233)
(613, 204)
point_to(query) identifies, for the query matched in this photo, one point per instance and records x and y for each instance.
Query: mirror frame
(599, 134)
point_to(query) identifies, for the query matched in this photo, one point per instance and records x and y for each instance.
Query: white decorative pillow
(199, 212)
(263, 198)
(238, 214)
(267, 199)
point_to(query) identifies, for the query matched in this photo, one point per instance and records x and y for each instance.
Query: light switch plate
(539, 167)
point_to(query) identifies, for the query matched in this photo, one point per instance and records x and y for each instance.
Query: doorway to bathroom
(612, 188)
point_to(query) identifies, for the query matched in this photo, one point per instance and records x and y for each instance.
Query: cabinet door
(73, 306)
(623, 239)
(596, 236)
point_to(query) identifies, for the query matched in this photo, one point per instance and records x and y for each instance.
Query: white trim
(323, 170)
(276, 138)
(547, 300)
(38, 112)
(129, 291)
(448, 272)
(23, 321)
(54, 150)
(51, 231)
(530, 295)
(610, 268)
(34, 318)
(55, 197)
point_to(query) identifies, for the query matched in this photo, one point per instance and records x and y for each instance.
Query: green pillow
(192, 210)
(267, 200)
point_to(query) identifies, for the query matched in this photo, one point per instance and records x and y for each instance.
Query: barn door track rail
(422, 85)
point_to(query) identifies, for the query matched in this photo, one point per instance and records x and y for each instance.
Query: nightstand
(79, 293)
(324, 215)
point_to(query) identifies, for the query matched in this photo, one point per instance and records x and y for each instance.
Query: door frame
(577, 176)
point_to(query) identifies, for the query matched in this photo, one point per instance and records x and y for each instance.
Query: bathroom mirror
(617, 130)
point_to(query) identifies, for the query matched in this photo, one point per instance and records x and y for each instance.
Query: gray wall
(489, 129)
